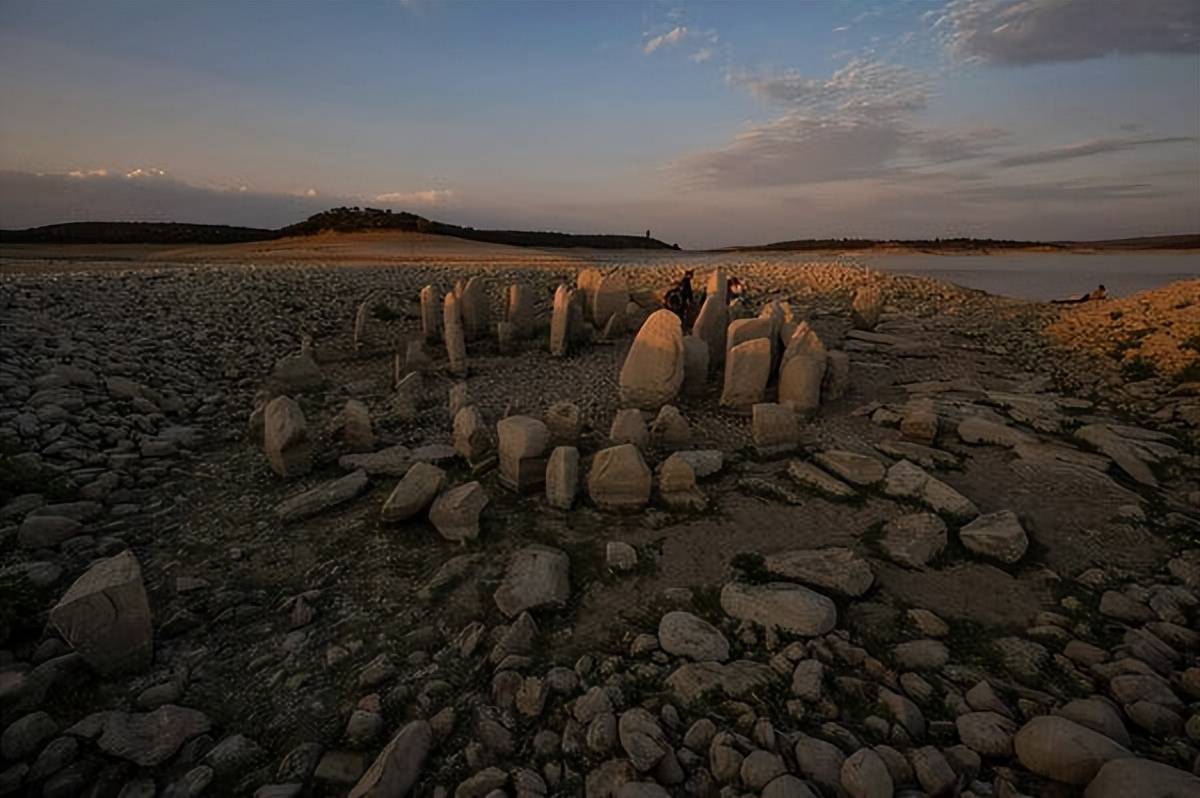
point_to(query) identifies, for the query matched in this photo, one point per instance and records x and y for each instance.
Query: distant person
(734, 289)
(1093, 296)
(680, 299)
(1100, 293)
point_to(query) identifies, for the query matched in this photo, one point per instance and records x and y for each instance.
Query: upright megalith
(299, 372)
(105, 616)
(562, 477)
(747, 371)
(352, 427)
(628, 426)
(476, 315)
(695, 366)
(867, 307)
(718, 285)
(610, 297)
(519, 310)
(711, 326)
(653, 370)
(361, 317)
(285, 438)
(586, 283)
(619, 479)
(471, 436)
(560, 320)
(452, 331)
(522, 443)
(802, 370)
(431, 327)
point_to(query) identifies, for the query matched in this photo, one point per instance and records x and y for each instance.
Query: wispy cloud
(1038, 31)
(862, 86)
(702, 55)
(434, 196)
(670, 38)
(1084, 149)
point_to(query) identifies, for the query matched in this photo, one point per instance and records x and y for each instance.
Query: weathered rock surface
(105, 616)
(999, 536)
(415, 492)
(780, 605)
(323, 497)
(653, 370)
(395, 771)
(619, 479)
(455, 513)
(1062, 750)
(682, 634)
(285, 438)
(834, 568)
(537, 577)
(907, 481)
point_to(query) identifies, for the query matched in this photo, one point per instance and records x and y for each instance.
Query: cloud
(1087, 148)
(862, 86)
(670, 38)
(435, 196)
(702, 55)
(1015, 32)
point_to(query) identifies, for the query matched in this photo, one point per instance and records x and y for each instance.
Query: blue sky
(709, 123)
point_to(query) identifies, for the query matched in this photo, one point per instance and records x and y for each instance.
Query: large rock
(322, 497)
(998, 536)
(642, 738)
(710, 327)
(677, 486)
(537, 576)
(802, 371)
(398, 766)
(774, 429)
(670, 429)
(747, 370)
(1062, 750)
(833, 568)
(682, 634)
(145, 738)
(908, 481)
(564, 422)
(653, 370)
(105, 616)
(609, 298)
(628, 426)
(522, 445)
(455, 514)
(562, 477)
(988, 734)
(354, 427)
(619, 479)
(1144, 778)
(914, 539)
(866, 307)
(809, 476)
(297, 373)
(394, 461)
(285, 437)
(864, 775)
(780, 605)
(47, 531)
(413, 493)
(1124, 453)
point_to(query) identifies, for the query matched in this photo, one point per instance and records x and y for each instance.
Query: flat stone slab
(908, 481)
(999, 536)
(696, 680)
(538, 576)
(323, 497)
(780, 605)
(809, 476)
(394, 461)
(857, 469)
(144, 738)
(834, 568)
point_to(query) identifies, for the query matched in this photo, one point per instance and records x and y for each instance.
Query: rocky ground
(976, 573)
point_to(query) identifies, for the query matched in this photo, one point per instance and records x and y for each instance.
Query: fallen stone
(414, 493)
(998, 536)
(856, 469)
(105, 616)
(780, 605)
(833, 568)
(914, 539)
(537, 577)
(455, 514)
(398, 766)
(323, 497)
(809, 476)
(562, 477)
(908, 481)
(682, 634)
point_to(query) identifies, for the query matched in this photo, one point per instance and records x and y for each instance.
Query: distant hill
(1190, 241)
(342, 220)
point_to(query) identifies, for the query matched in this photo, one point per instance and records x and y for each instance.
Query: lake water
(1046, 276)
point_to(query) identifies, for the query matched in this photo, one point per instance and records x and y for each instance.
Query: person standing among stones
(680, 299)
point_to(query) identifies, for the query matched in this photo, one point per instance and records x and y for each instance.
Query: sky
(708, 123)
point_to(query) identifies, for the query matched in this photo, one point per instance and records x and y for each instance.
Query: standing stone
(867, 305)
(670, 429)
(456, 344)
(472, 438)
(285, 438)
(413, 493)
(361, 317)
(677, 486)
(562, 477)
(522, 445)
(520, 310)
(560, 321)
(415, 358)
(459, 397)
(710, 326)
(564, 422)
(430, 323)
(837, 375)
(695, 366)
(611, 296)
(747, 370)
(298, 373)
(455, 514)
(653, 370)
(629, 427)
(105, 616)
(717, 285)
(743, 330)
(537, 576)
(476, 316)
(406, 400)
(506, 338)
(619, 479)
(614, 328)
(774, 429)
(802, 371)
(586, 283)
(920, 422)
(354, 427)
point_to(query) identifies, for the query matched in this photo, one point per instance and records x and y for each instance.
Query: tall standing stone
(361, 316)
(105, 616)
(867, 306)
(747, 370)
(520, 311)
(586, 283)
(452, 331)
(711, 326)
(653, 370)
(476, 316)
(611, 296)
(522, 444)
(718, 285)
(285, 437)
(802, 371)
(560, 321)
(430, 324)
(562, 477)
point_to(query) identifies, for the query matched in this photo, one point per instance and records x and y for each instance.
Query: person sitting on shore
(680, 299)
(734, 289)
(1093, 296)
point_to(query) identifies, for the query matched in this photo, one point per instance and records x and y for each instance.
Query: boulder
(628, 426)
(833, 568)
(619, 479)
(864, 775)
(105, 616)
(522, 444)
(323, 497)
(907, 481)
(988, 734)
(677, 486)
(695, 681)
(564, 422)
(682, 634)
(353, 427)
(919, 422)
(914, 539)
(1145, 778)
(562, 477)
(471, 436)
(866, 307)
(455, 514)
(780, 605)
(412, 494)
(998, 536)
(145, 738)
(285, 438)
(398, 766)
(747, 370)
(774, 429)
(642, 738)
(47, 531)
(297, 373)
(653, 370)
(537, 576)
(1062, 750)
(802, 371)
(670, 429)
